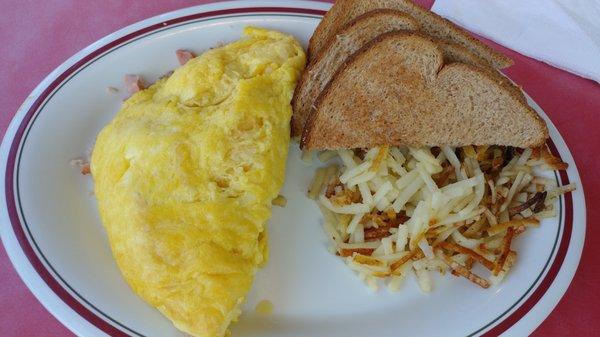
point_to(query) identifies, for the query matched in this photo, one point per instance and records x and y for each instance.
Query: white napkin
(562, 33)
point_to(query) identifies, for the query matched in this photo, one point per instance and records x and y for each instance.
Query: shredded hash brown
(391, 210)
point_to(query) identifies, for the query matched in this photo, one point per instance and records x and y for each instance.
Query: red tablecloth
(36, 36)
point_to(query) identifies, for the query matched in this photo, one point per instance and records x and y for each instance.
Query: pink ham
(133, 83)
(184, 55)
(85, 169)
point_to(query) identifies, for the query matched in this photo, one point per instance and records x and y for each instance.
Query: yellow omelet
(186, 172)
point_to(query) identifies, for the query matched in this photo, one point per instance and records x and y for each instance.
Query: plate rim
(64, 312)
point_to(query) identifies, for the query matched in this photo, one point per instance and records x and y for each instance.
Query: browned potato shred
(414, 254)
(506, 242)
(466, 273)
(351, 251)
(473, 256)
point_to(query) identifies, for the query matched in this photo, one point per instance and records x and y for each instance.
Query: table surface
(37, 36)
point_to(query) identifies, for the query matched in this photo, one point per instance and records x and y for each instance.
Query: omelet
(185, 174)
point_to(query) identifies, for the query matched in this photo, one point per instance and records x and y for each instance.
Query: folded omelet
(186, 172)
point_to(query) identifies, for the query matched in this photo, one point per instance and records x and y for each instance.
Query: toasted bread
(397, 90)
(351, 37)
(432, 24)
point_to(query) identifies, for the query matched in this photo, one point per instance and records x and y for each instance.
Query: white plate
(54, 237)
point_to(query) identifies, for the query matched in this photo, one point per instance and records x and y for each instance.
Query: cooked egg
(264, 307)
(186, 172)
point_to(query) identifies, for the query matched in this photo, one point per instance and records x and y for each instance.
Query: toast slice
(402, 93)
(351, 38)
(432, 24)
